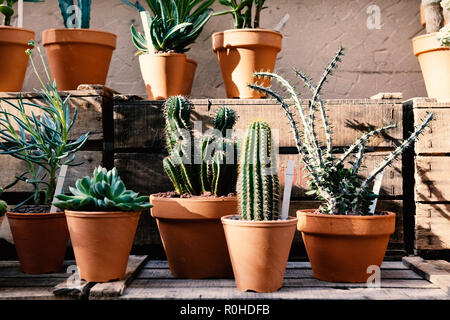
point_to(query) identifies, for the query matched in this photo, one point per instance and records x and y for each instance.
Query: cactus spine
(258, 186)
(216, 170)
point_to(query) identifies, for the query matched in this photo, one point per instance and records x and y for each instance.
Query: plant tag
(376, 190)
(289, 177)
(20, 14)
(59, 186)
(145, 18)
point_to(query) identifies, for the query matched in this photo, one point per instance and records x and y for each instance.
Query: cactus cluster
(258, 186)
(104, 191)
(76, 15)
(342, 190)
(197, 165)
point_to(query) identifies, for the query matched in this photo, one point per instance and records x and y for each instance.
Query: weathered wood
(436, 139)
(432, 178)
(430, 271)
(387, 95)
(30, 293)
(75, 288)
(432, 226)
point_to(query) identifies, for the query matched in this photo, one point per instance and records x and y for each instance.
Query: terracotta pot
(341, 248)
(13, 43)
(240, 53)
(193, 236)
(78, 56)
(189, 75)
(102, 242)
(259, 251)
(40, 240)
(434, 61)
(163, 74)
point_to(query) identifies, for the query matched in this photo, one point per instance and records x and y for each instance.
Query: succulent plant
(258, 186)
(76, 15)
(444, 33)
(3, 205)
(204, 164)
(6, 8)
(104, 191)
(340, 188)
(242, 12)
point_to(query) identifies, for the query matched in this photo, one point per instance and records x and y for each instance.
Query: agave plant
(173, 25)
(104, 191)
(6, 8)
(76, 15)
(242, 12)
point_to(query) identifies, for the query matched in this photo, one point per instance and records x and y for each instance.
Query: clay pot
(163, 74)
(102, 242)
(13, 43)
(240, 53)
(78, 56)
(341, 248)
(189, 75)
(434, 61)
(40, 240)
(259, 251)
(192, 235)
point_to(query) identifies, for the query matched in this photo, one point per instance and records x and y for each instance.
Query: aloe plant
(173, 25)
(6, 8)
(242, 12)
(76, 15)
(42, 142)
(340, 187)
(104, 191)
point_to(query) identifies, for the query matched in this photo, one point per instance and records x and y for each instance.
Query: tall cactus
(73, 18)
(258, 186)
(216, 169)
(341, 189)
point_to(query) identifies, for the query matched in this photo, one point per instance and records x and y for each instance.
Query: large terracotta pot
(259, 251)
(102, 242)
(434, 61)
(193, 236)
(163, 74)
(40, 240)
(13, 43)
(341, 248)
(189, 75)
(78, 56)
(240, 53)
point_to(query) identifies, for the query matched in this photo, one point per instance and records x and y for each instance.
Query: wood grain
(432, 178)
(432, 226)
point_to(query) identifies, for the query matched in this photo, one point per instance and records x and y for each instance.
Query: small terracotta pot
(259, 251)
(193, 236)
(189, 75)
(13, 43)
(78, 56)
(241, 52)
(341, 248)
(40, 240)
(102, 242)
(163, 74)
(434, 61)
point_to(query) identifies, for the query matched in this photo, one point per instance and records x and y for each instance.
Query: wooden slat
(432, 226)
(432, 178)
(436, 139)
(429, 271)
(30, 293)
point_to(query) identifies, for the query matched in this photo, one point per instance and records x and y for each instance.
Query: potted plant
(432, 53)
(171, 29)
(13, 43)
(76, 54)
(3, 208)
(345, 235)
(42, 142)
(102, 216)
(245, 49)
(258, 240)
(203, 172)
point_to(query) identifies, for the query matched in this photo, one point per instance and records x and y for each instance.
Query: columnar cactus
(340, 188)
(199, 165)
(258, 186)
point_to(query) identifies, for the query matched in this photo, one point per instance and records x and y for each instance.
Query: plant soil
(377, 213)
(32, 209)
(173, 194)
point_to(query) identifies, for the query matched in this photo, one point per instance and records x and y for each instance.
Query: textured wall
(376, 60)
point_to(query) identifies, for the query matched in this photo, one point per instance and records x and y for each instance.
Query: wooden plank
(429, 271)
(138, 124)
(26, 282)
(432, 178)
(436, 138)
(30, 293)
(116, 288)
(432, 226)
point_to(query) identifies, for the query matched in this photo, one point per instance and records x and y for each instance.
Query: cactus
(68, 12)
(258, 187)
(3, 205)
(242, 12)
(199, 165)
(341, 189)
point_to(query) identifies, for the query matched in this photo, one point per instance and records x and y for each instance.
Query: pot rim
(100, 214)
(307, 212)
(193, 199)
(291, 221)
(427, 43)
(110, 39)
(15, 35)
(163, 54)
(227, 39)
(250, 30)
(31, 215)
(16, 28)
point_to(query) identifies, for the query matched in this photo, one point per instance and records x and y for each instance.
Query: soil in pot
(192, 234)
(40, 239)
(342, 247)
(259, 251)
(13, 43)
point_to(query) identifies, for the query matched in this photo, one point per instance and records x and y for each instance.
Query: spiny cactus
(199, 165)
(258, 186)
(340, 188)
(76, 15)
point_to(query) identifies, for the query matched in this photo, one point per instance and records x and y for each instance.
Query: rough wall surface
(377, 60)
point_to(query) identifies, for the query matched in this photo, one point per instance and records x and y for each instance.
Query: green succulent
(3, 205)
(104, 191)
(6, 8)
(242, 12)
